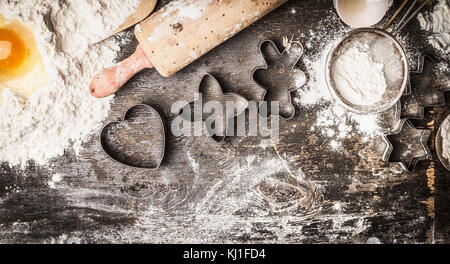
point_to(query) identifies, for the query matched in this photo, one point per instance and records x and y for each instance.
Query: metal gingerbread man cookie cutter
(275, 73)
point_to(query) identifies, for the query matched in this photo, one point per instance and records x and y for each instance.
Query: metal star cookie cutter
(420, 95)
(276, 72)
(211, 91)
(409, 148)
(148, 152)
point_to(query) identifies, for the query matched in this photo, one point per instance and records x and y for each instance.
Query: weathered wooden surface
(238, 191)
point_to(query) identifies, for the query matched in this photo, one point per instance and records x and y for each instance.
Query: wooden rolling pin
(180, 33)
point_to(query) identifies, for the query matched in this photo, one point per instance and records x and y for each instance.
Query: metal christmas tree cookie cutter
(211, 91)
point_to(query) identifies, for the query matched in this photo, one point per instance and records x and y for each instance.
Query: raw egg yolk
(5, 49)
(22, 69)
(13, 51)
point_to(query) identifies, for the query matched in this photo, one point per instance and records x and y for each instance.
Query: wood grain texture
(239, 191)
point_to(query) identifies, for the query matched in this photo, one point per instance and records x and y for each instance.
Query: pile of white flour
(357, 77)
(62, 114)
(438, 23)
(88, 21)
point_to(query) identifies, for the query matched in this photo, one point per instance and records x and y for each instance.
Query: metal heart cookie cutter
(279, 76)
(138, 140)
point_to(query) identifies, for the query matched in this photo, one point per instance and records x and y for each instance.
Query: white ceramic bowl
(362, 13)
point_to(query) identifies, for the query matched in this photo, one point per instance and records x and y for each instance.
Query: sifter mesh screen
(384, 49)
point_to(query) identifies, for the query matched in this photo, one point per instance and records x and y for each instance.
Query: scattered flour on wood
(236, 190)
(315, 91)
(56, 178)
(62, 114)
(327, 34)
(333, 122)
(338, 124)
(194, 164)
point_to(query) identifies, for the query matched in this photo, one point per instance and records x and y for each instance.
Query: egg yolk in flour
(21, 66)
(12, 50)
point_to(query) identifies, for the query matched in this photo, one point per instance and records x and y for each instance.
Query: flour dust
(61, 115)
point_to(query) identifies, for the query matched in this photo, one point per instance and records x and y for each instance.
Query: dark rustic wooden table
(240, 190)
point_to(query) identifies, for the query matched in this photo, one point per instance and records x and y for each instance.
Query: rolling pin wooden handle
(111, 80)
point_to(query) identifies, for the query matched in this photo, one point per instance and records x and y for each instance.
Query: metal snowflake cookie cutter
(279, 71)
(211, 92)
(426, 90)
(407, 146)
(439, 143)
(138, 140)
